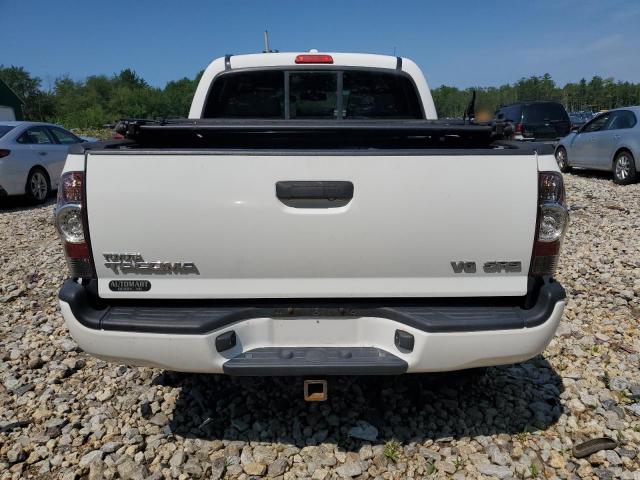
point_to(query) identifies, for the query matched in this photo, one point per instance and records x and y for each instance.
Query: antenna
(266, 42)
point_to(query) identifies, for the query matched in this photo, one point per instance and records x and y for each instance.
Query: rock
(364, 431)
(589, 400)
(54, 426)
(446, 467)
(556, 460)
(67, 345)
(494, 470)
(618, 383)
(320, 474)
(177, 458)
(365, 452)
(429, 454)
(263, 454)
(278, 467)
(597, 458)
(96, 470)
(111, 447)
(496, 455)
(603, 474)
(22, 389)
(129, 470)
(349, 469)
(612, 457)
(217, 468)
(15, 454)
(159, 419)
(192, 468)
(103, 395)
(576, 406)
(87, 459)
(11, 383)
(254, 469)
(246, 456)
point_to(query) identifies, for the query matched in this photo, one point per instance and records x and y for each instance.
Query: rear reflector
(76, 250)
(314, 59)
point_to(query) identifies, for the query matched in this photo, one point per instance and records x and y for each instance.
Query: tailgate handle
(314, 194)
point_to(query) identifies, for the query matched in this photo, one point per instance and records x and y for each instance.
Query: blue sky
(460, 43)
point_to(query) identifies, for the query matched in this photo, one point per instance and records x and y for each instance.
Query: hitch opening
(315, 390)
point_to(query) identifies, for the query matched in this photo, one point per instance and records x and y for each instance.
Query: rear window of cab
(309, 94)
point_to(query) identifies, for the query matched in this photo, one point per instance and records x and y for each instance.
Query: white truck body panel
(410, 217)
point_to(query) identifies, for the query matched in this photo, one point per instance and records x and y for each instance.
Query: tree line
(101, 99)
(591, 96)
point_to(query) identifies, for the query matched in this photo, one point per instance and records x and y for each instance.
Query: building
(10, 103)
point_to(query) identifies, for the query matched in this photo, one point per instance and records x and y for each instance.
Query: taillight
(551, 224)
(4, 152)
(313, 58)
(519, 128)
(71, 222)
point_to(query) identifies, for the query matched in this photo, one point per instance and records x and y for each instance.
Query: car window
(64, 137)
(35, 135)
(4, 129)
(511, 114)
(597, 123)
(379, 95)
(545, 112)
(313, 94)
(257, 94)
(621, 119)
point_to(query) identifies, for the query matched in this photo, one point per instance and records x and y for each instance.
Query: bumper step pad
(280, 361)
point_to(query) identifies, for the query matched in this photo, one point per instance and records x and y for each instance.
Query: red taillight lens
(519, 128)
(70, 190)
(71, 222)
(551, 224)
(4, 152)
(314, 59)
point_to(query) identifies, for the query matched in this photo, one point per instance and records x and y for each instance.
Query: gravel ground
(67, 415)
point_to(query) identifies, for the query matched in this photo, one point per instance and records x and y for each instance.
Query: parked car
(300, 223)
(578, 120)
(610, 141)
(536, 120)
(32, 155)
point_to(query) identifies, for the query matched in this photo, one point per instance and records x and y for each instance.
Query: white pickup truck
(312, 217)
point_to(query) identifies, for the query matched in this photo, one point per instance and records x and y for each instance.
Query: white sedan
(32, 155)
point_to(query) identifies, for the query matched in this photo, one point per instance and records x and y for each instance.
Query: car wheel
(624, 168)
(561, 158)
(38, 187)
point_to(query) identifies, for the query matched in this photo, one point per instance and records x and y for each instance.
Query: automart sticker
(130, 285)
